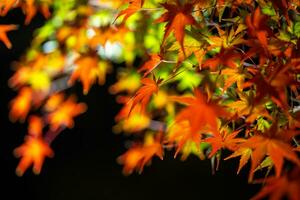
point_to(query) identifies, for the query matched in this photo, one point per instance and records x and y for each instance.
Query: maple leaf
(180, 133)
(274, 86)
(64, 114)
(3, 37)
(144, 94)
(20, 106)
(245, 154)
(236, 75)
(193, 44)
(88, 69)
(201, 114)
(36, 73)
(34, 150)
(126, 109)
(130, 120)
(224, 140)
(177, 17)
(140, 154)
(228, 39)
(225, 58)
(257, 27)
(151, 64)
(274, 143)
(247, 107)
(134, 6)
(277, 188)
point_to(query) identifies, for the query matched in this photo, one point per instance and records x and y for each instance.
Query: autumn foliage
(217, 76)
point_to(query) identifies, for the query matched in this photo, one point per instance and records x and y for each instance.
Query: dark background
(84, 166)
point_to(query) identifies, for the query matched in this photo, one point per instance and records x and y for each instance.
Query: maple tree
(216, 76)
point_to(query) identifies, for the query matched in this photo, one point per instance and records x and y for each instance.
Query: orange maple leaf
(34, 150)
(274, 143)
(3, 31)
(235, 75)
(151, 64)
(177, 17)
(140, 154)
(130, 120)
(127, 108)
(245, 154)
(226, 58)
(134, 6)
(144, 94)
(201, 114)
(180, 134)
(228, 39)
(88, 69)
(64, 114)
(224, 140)
(247, 107)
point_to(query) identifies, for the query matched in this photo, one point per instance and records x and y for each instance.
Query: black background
(84, 166)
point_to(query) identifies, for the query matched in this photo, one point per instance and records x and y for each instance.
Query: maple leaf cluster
(217, 77)
(242, 96)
